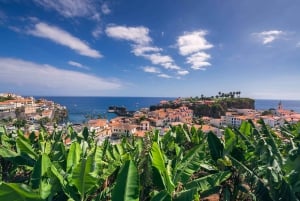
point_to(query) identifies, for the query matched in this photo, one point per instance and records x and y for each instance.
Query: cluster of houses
(141, 122)
(29, 108)
(161, 119)
(145, 120)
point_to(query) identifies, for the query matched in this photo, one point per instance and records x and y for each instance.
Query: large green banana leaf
(215, 146)
(159, 163)
(192, 161)
(74, 156)
(39, 177)
(17, 192)
(127, 184)
(83, 176)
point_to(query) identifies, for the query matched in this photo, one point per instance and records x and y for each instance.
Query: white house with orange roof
(185, 114)
(218, 122)
(246, 112)
(157, 122)
(30, 109)
(123, 128)
(273, 121)
(207, 128)
(234, 120)
(7, 106)
(97, 125)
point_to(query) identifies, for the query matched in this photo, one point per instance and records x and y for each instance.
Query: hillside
(212, 108)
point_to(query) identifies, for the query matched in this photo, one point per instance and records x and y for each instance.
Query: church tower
(280, 106)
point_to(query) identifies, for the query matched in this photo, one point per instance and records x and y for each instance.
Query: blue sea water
(81, 108)
(261, 104)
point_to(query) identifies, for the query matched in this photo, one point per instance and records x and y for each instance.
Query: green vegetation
(185, 164)
(2, 99)
(210, 106)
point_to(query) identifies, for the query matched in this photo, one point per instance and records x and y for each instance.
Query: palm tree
(202, 96)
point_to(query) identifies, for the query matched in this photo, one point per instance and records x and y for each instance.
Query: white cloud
(269, 36)
(164, 76)
(32, 78)
(198, 60)
(64, 38)
(97, 32)
(105, 9)
(192, 45)
(150, 69)
(157, 58)
(192, 42)
(78, 65)
(139, 50)
(138, 35)
(163, 60)
(73, 8)
(183, 72)
(170, 65)
(141, 46)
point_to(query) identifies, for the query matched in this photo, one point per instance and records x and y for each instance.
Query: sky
(157, 48)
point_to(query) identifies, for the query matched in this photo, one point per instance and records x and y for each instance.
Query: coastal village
(36, 112)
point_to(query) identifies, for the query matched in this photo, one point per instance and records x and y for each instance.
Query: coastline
(80, 106)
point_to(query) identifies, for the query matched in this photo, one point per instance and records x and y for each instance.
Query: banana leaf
(127, 183)
(18, 192)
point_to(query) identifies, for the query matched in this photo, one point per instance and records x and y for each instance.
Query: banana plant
(177, 181)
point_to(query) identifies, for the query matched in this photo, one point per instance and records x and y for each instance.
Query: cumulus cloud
(162, 75)
(73, 8)
(183, 72)
(198, 60)
(138, 35)
(192, 45)
(141, 46)
(268, 36)
(150, 69)
(78, 65)
(64, 38)
(140, 50)
(34, 78)
(157, 58)
(192, 42)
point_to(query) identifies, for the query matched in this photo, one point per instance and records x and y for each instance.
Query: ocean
(82, 108)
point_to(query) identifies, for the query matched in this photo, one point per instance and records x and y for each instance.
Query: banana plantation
(247, 163)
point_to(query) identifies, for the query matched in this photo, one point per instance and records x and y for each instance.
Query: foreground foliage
(249, 163)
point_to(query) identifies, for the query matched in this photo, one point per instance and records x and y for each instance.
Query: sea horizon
(81, 107)
(111, 96)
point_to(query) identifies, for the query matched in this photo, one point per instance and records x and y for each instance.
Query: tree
(19, 123)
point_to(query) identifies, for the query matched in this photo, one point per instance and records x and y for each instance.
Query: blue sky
(167, 48)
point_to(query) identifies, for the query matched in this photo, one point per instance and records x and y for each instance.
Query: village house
(272, 121)
(218, 122)
(99, 126)
(207, 128)
(7, 106)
